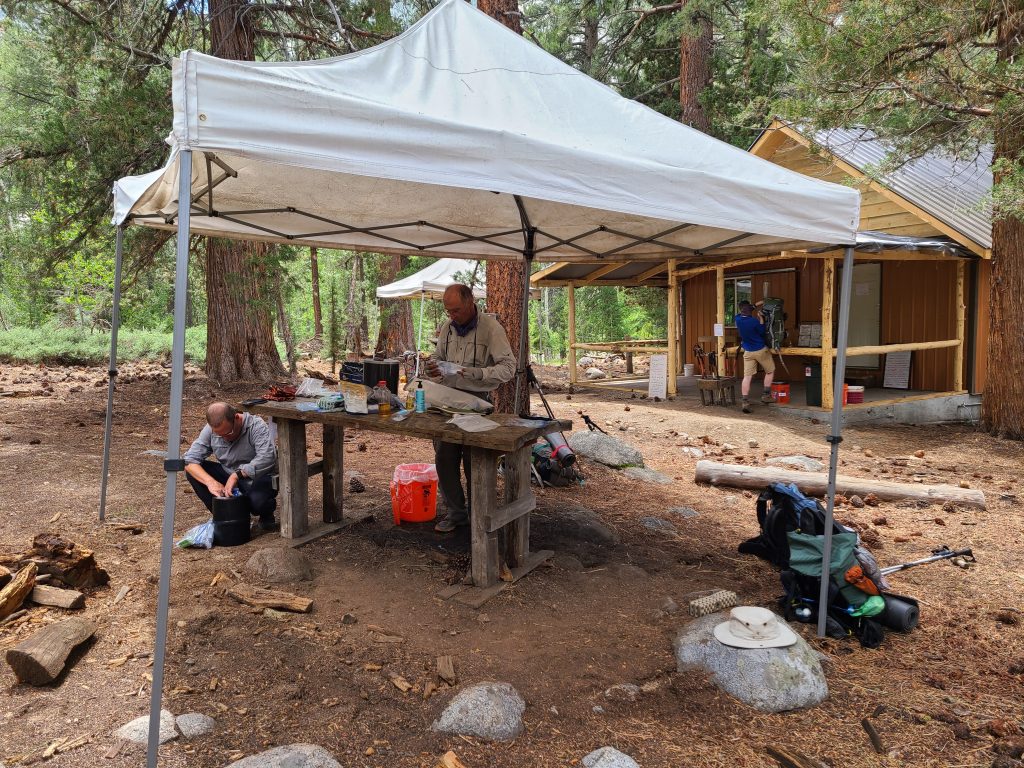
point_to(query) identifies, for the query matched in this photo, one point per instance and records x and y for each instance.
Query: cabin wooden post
(961, 322)
(572, 333)
(828, 281)
(673, 327)
(720, 340)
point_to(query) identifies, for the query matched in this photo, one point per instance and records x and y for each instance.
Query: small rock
(623, 692)
(593, 374)
(668, 605)
(609, 757)
(871, 500)
(868, 452)
(137, 731)
(752, 443)
(919, 454)
(488, 710)
(879, 521)
(279, 565)
(728, 448)
(597, 709)
(193, 724)
(964, 484)
(657, 524)
(349, 618)
(799, 462)
(693, 452)
(684, 511)
(291, 756)
(856, 501)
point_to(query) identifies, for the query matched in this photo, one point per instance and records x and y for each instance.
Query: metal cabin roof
(954, 190)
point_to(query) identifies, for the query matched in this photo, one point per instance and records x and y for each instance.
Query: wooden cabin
(925, 295)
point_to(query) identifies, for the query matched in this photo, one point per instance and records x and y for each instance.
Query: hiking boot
(261, 526)
(746, 406)
(449, 524)
(766, 399)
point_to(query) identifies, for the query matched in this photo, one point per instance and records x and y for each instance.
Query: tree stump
(41, 658)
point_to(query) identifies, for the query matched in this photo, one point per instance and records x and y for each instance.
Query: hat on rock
(752, 627)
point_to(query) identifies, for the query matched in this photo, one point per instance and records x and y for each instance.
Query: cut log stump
(816, 484)
(20, 587)
(269, 598)
(41, 658)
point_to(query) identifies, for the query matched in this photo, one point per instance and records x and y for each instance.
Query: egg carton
(713, 603)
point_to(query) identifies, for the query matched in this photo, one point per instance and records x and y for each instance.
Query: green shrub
(78, 346)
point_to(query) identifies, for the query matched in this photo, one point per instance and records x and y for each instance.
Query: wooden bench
(717, 391)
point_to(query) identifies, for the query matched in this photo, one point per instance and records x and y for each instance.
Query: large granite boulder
(768, 679)
(279, 565)
(605, 449)
(492, 711)
(290, 756)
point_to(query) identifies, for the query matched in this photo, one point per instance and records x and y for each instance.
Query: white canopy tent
(431, 281)
(457, 138)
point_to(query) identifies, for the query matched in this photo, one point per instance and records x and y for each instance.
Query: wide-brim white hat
(752, 627)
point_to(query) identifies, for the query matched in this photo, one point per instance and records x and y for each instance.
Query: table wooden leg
(334, 472)
(294, 478)
(484, 545)
(517, 485)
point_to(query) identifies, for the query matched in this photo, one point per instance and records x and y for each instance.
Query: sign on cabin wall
(897, 370)
(658, 377)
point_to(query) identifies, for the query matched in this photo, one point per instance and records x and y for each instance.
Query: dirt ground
(948, 694)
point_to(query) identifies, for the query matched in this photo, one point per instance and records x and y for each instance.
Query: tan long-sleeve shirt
(484, 353)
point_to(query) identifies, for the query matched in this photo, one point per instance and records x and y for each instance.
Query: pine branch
(99, 29)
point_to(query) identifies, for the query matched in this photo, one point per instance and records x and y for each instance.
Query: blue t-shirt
(751, 333)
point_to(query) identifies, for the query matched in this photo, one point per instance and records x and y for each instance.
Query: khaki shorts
(762, 356)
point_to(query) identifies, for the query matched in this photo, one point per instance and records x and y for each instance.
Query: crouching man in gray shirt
(246, 459)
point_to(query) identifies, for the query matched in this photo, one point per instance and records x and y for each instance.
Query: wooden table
(491, 524)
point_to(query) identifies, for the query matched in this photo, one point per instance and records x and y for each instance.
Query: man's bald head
(218, 413)
(458, 303)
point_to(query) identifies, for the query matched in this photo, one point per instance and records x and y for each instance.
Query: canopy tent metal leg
(115, 323)
(835, 437)
(173, 463)
(529, 235)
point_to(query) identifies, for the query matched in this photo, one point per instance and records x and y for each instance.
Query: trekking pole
(943, 553)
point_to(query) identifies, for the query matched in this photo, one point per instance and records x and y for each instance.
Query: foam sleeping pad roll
(900, 614)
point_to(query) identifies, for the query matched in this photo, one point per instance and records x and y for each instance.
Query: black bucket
(231, 521)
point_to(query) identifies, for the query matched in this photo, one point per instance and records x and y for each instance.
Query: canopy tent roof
(432, 280)
(456, 138)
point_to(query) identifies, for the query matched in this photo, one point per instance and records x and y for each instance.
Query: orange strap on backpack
(856, 577)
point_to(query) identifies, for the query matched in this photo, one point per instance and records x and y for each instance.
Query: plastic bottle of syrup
(383, 397)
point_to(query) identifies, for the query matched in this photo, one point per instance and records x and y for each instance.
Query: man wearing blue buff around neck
(477, 347)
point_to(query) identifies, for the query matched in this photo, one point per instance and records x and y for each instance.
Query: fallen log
(816, 484)
(40, 659)
(57, 597)
(5, 576)
(20, 587)
(269, 598)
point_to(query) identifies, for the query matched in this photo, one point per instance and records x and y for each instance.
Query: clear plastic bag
(200, 536)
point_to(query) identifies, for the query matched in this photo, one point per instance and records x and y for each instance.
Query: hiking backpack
(774, 323)
(782, 508)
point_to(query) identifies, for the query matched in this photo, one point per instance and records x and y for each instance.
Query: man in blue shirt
(755, 352)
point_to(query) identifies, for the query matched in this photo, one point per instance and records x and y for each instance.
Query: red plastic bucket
(414, 493)
(780, 393)
(856, 394)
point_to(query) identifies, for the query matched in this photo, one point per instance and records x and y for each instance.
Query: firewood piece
(876, 740)
(20, 587)
(790, 758)
(269, 598)
(816, 484)
(59, 598)
(5, 576)
(68, 562)
(41, 658)
(446, 669)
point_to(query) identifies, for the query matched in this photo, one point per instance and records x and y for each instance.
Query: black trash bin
(812, 384)
(231, 521)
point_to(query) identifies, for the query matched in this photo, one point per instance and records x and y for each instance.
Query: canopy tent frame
(577, 175)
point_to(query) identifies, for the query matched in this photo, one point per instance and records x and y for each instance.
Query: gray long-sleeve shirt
(253, 452)
(484, 353)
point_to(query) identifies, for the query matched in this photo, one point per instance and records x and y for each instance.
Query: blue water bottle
(421, 398)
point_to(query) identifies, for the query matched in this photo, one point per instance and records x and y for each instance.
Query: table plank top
(512, 433)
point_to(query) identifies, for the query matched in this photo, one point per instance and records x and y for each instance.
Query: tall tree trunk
(314, 274)
(239, 326)
(354, 309)
(284, 328)
(396, 332)
(1003, 401)
(240, 330)
(505, 278)
(695, 43)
